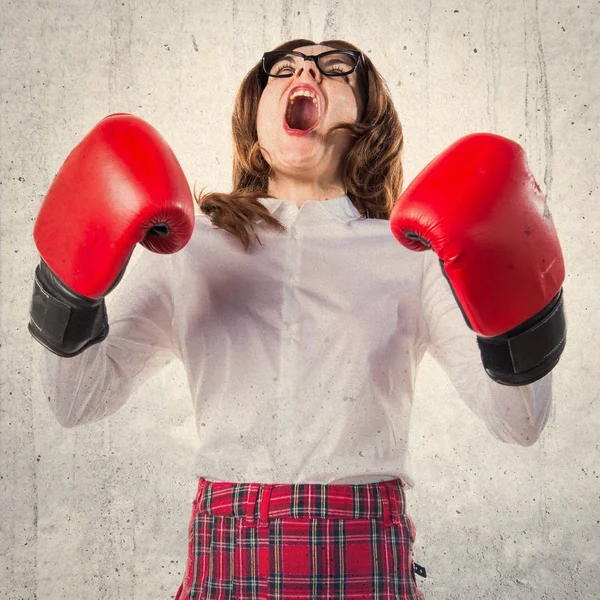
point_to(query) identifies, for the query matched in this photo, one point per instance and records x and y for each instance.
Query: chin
(299, 161)
(298, 153)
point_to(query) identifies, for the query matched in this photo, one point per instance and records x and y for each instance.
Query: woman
(301, 323)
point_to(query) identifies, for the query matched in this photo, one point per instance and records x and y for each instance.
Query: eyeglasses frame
(264, 74)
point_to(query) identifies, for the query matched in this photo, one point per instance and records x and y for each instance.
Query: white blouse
(301, 356)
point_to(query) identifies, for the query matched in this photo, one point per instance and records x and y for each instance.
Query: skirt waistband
(257, 503)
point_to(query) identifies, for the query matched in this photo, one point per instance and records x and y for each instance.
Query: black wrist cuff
(60, 319)
(529, 351)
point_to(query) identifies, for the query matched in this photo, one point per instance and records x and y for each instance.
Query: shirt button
(294, 279)
(293, 329)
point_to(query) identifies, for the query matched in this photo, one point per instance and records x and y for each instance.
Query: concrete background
(101, 512)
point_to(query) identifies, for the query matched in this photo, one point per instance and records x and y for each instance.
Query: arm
(512, 414)
(120, 186)
(97, 382)
(479, 208)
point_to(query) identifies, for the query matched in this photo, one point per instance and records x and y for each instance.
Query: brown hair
(372, 174)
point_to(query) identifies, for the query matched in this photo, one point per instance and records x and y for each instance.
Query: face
(292, 149)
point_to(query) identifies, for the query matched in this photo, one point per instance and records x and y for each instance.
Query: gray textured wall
(101, 511)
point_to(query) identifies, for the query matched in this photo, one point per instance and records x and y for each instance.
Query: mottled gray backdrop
(102, 511)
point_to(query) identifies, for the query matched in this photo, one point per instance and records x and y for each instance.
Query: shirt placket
(290, 327)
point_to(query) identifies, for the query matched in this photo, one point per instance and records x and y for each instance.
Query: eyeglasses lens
(285, 65)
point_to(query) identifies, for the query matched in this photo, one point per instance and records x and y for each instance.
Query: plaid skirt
(250, 541)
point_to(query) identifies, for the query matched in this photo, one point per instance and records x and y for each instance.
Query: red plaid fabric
(250, 541)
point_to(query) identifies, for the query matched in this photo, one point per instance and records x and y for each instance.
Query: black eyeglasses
(284, 63)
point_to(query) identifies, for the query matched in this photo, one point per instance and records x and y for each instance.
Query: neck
(300, 191)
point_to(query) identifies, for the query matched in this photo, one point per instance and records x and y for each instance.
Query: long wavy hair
(372, 172)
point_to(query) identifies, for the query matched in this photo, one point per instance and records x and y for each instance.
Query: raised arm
(121, 185)
(478, 207)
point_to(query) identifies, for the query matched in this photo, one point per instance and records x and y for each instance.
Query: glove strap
(60, 319)
(528, 352)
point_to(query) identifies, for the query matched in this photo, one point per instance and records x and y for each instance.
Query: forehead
(315, 49)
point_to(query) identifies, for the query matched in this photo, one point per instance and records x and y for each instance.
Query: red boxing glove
(121, 185)
(479, 208)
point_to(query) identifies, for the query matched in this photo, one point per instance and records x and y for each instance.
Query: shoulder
(202, 222)
(372, 241)
(378, 231)
(203, 229)
(207, 237)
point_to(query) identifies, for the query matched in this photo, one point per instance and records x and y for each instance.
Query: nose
(309, 67)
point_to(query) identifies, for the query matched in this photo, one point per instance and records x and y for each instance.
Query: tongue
(304, 114)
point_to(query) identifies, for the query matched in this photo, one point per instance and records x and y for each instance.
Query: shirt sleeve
(94, 384)
(515, 415)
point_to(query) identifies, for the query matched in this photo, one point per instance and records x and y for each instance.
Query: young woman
(301, 323)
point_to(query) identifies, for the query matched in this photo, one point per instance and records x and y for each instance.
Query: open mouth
(303, 111)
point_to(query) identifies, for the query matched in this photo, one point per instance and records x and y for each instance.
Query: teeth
(306, 93)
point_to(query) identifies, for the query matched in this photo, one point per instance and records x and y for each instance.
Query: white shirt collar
(340, 208)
